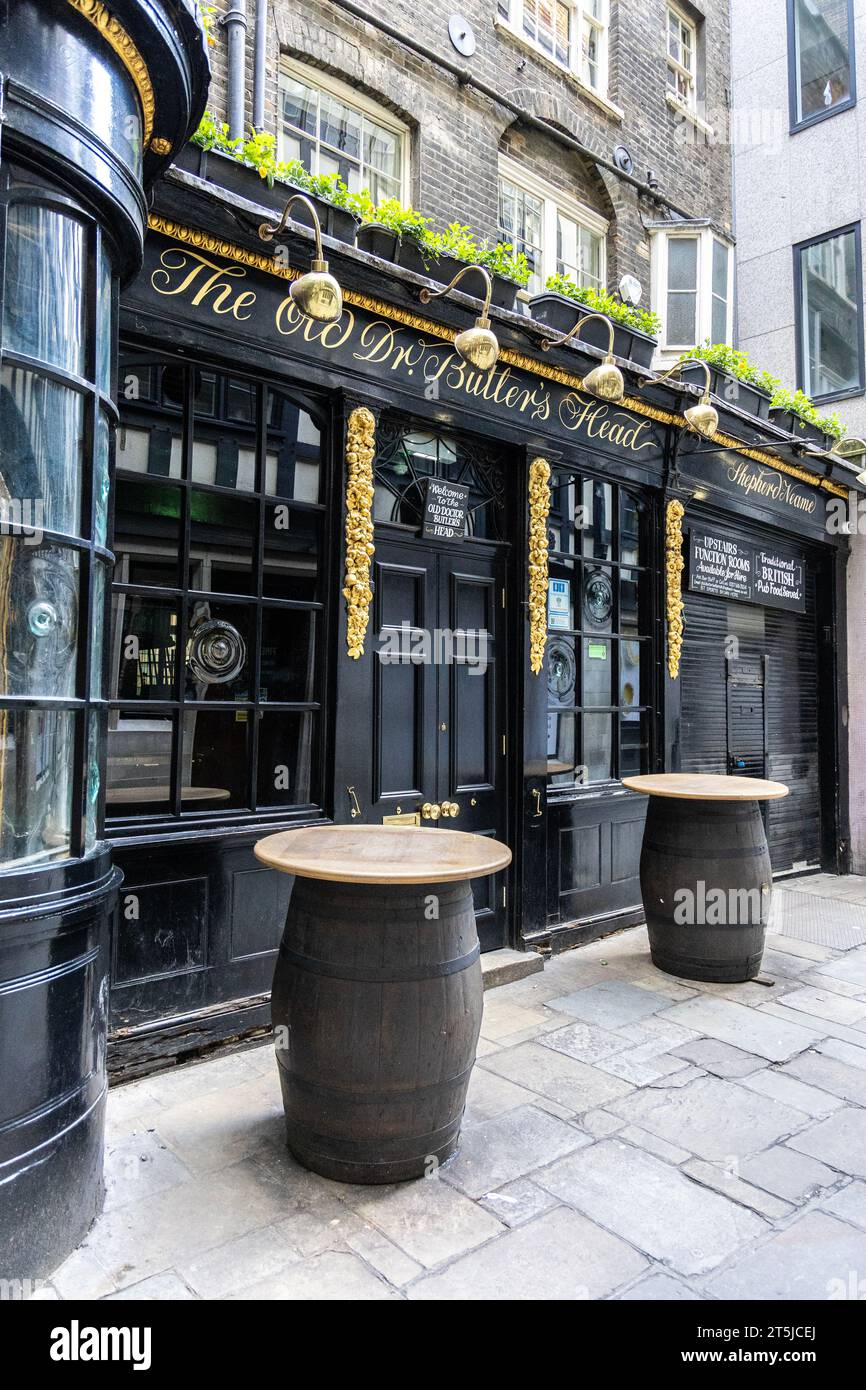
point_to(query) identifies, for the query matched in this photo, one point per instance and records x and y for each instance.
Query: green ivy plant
(600, 302)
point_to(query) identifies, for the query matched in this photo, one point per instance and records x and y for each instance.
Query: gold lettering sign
(209, 285)
(766, 482)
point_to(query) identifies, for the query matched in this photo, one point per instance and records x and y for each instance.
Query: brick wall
(456, 133)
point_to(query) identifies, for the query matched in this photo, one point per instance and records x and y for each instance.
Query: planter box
(378, 241)
(560, 312)
(801, 429)
(730, 390)
(390, 246)
(239, 178)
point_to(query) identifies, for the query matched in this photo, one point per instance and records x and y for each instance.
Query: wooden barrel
(706, 885)
(376, 1009)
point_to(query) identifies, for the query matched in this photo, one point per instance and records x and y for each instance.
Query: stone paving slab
(628, 1136)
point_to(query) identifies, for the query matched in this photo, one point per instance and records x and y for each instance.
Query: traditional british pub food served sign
(727, 568)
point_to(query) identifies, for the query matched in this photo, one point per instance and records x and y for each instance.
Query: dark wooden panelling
(260, 900)
(626, 838)
(580, 855)
(161, 930)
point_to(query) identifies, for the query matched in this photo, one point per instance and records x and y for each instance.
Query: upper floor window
(820, 59)
(557, 235)
(692, 287)
(829, 309)
(682, 42)
(333, 129)
(572, 33)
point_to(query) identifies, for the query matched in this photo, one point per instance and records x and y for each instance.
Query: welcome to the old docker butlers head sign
(195, 284)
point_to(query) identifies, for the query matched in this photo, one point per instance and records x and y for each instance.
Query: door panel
(431, 689)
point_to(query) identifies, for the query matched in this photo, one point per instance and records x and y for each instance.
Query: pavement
(628, 1136)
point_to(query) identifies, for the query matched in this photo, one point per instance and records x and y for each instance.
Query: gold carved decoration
(674, 565)
(360, 449)
(255, 261)
(539, 506)
(118, 39)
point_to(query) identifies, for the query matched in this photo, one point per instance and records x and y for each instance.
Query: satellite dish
(461, 35)
(630, 289)
(622, 159)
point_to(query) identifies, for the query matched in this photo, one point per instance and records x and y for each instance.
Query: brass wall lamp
(851, 447)
(703, 418)
(478, 345)
(316, 293)
(605, 380)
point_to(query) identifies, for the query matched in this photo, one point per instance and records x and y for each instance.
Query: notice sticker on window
(597, 651)
(559, 603)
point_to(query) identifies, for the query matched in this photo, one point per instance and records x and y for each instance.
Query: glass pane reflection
(36, 756)
(215, 759)
(44, 286)
(138, 764)
(38, 620)
(286, 744)
(42, 432)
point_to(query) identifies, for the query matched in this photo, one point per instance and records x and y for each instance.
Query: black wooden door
(421, 722)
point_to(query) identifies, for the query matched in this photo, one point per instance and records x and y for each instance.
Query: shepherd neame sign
(727, 568)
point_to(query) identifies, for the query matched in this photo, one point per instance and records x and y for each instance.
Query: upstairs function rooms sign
(727, 568)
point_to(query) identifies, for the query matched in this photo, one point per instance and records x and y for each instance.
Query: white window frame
(510, 16)
(705, 237)
(690, 74)
(554, 201)
(343, 91)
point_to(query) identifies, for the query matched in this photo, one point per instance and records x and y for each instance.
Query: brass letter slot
(405, 818)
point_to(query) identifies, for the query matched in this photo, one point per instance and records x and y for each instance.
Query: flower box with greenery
(635, 330)
(403, 235)
(795, 413)
(734, 379)
(251, 169)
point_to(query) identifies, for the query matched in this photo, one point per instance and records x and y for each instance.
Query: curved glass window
(55, 428)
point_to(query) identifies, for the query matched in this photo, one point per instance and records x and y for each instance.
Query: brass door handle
(450, 808)
(431, 811)
(538, 811)
(355, 809)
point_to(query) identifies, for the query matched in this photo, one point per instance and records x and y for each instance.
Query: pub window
(571, 33)
(599, 653)
(215, 691)
(692, 290)
(829, 311)
(820, 59)
(332, 129)
(682, 49)
(407, 457)
(557, 235)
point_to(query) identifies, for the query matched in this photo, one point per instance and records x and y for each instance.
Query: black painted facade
(535, 760)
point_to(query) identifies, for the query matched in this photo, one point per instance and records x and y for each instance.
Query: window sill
(609, 107)
(682, 110)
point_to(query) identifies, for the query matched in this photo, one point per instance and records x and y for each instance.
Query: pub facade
(359, 579)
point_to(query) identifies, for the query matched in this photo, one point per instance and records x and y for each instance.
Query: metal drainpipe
(259, 64)
(235, 24)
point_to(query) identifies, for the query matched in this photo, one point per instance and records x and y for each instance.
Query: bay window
(571, 33)
(557, 235)
(332, 129)
(692, 289)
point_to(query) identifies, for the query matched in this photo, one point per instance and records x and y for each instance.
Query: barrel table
(377, 994)
(705, 873)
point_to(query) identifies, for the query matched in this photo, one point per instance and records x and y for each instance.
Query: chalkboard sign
(445, 507)
(719, 565)
(727, 568)
(779, 580)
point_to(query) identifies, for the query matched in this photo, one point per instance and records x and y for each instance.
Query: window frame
(179, 814)
(323, 82)
(672, 64)
(795, 122)
(553, 202)
(510, 15)
(706, 238)
(799, 325)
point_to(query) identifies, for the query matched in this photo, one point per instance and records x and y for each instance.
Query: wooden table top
(706, 786)
(382, 854)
